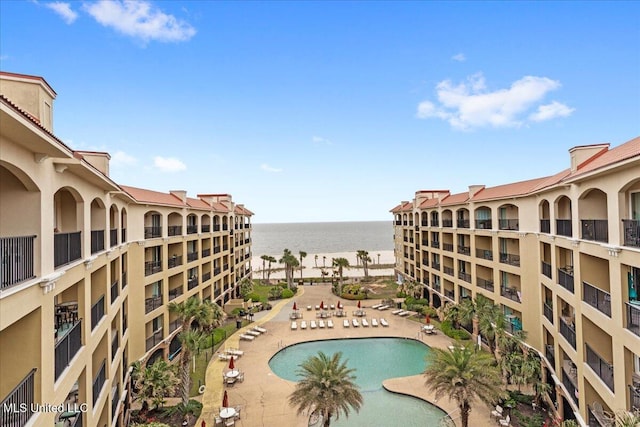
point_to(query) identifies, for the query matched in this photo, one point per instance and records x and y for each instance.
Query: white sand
(310, 269)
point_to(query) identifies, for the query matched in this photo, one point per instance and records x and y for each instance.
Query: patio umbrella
(322, 304)
(427, 320)
(203, 424)
(358, 304)
(339, 305)
(231, 364)
(295, 307)
(225, 400)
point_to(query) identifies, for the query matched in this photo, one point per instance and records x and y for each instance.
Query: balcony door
(635, 206)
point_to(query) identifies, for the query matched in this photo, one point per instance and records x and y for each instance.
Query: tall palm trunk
(327, 421)
(465, 409)
(185, 360)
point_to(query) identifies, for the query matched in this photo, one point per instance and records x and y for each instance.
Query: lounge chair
(254, 333)
(250, 337)
(404, 313)
(312, 324)
(375, 306)
(241, 376)
(259, 329)
(428, 329)
(230, 422)
(383, 322)
(329, 323)
(237, 415)
(218, 421)
(497, 413)
(345, 323)
(355, 323)
(234, 352)
(294, 325)
(384, 307)
(374, 322)
(506, 422)
(321, 324)
(303, 324)
(397, 311)
(365, 323)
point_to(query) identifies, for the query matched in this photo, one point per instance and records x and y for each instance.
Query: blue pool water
(375, 360)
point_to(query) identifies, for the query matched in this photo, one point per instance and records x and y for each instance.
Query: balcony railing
(154, 339)
(152, 267)
(97, 241)
(216, 271)
(447, 247)
(508, 224)
(563, 227)
(425, 262)
(217, 292)
(546, 269)
(22, 396)
(448, 270)
(447, 223)
(424, 223)
(174, 325)
(113, 237)
(206, 228)
(175, 293)
(483, 224)
(206, 252)
(510, 292)
(152, 303)
(603, 369)
(510, 259)
(174, 230)
(565, 278)
(568, 384)
(67, 347)
(462, 223)
(633, 318)
(151, 232)
(123, 236)
(192, 256)
(16, 260)
(115, 344)
(435, 222)
(631, 230)
(568, 332)
(67, 247)
(114, 291)
(174, 261)
(464, 250)
(548, 312)
(216, 227)
(550, 354)
(449, 294)
(435, 244)
(464, 276)
(485, 254)
(435, 265)
(99, 381)
(634, 397)
(545, 226)
(436, 286)
(595, 229)
(597, 298)
(225, 247)
(192, 283)
(206, 276)
(485, 284)
(216, 249)
(192, 229)
(97, 312)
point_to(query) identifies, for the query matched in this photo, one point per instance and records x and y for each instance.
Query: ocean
(321, 237)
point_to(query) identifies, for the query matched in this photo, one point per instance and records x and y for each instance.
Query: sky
(330, 111)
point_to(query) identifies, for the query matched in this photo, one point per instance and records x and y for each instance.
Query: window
(635, 206)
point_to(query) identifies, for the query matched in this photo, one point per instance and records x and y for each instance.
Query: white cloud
(121, 159)
(4, 57)
(141, 20)
(320, 140)
(459, 57)
(63, 10)
(265, 167)
(551, 111)
(168, 164)
(470, 105)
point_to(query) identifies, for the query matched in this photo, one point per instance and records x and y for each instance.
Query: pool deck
(263, 396)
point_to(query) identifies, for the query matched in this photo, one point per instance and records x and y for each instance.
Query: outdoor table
(227, 413)
(232, 374)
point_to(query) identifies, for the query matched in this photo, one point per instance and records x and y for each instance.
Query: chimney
(31, 94)
(583, 153)
(180, 194)
(475, 189)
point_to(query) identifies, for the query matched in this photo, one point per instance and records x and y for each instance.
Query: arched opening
(68, 220)
(508, 217)
(156, 355)
(225, 223)
(435, 219)
(563, 217)
(483, 218)
(206, 223)
(192, 224)
(437, 302)
(462, 218)
(592, 209)
(424, 219)
(123, 224)
(175, 347)
(98, 225)
(629, 200)
(544, 212)
(447, 218)
(114, 218)
(152, 225)
(216, 223)
(174, 224)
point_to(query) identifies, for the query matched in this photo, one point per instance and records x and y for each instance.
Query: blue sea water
(322, 237)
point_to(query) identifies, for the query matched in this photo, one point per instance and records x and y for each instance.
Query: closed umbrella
(322, 305)
(427, 320)
(339, 305)
(225, 400)
(231, 364)
(295, 307)
(358, 304)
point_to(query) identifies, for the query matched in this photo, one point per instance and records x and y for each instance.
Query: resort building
(88, 268)
(560, 255)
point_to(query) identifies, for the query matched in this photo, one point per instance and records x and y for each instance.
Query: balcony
(568, 332)
(152, 303)
(435, 265)
(485, 284)
(546, 269)
(448, 270)
(216, 271)
(97, 312)
(206, 252)
(99, 381)
(545, 226)
(424, 223)
(510, 293)
(511, 259)
(634, 397)
(425, 262)
(563, 227)
(595, 229)
(447, 247)
(115, 344)
(123, 236)
(192, 283)
(174, 325)
(485, 254)
(448, 223)
(206, 228)
(436, 286)
(483, 224)
(174, 261)
(67, 347)
(508, 224)
(633, 318)
(113, 237)
(97, 241)
(462, 223)
(192, 229)
(449, 294)
(548, 311)
(174, 230)
(550, 354)
(206, 276)
(464, 250)
(151, 232)
(22, 395)
(567, 381)
(435, 244)
(398, 222)
(67, 247)
(597, 298)
(225, 247)
(216, 249)
(17, 255)
(153, 340)
(603, 369)
(464, 276)
(565, 278)
(175, 293)
(216, 227)
(152, 267)
(192, 256)
(631, 232)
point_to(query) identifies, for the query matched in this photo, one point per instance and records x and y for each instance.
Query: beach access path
(263, 396)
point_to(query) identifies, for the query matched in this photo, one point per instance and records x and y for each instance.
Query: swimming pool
(375, 360)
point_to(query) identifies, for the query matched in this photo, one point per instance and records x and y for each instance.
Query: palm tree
(315, 259)
(364, 257)
(302, 254)
(290, 263)
(324, 261)
(246, 287)
(270, 260)
(154, 382)
(264, 259)
(462, 375)
(472, 311)
(340, 263)
(191, 342)
(327, 387)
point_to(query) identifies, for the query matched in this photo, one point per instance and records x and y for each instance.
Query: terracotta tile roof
(220, 207)
(552, 180)
(407, 207)
(429, 203)
(396, 209)
(455, 199)
(508, 190)
(608, 157)
(155, 197)
(241, 210)
(198, 203)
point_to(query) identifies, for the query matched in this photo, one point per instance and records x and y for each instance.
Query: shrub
(152, 424)
(287, 293)
(451, 332)
(401, 294)
(253, 297)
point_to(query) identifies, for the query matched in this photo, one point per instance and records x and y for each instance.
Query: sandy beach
(310, 270)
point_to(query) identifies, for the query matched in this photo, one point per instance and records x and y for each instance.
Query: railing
(634, 397)
(216, 271)
(225, 267)
(124, 280)
(447, 247)
(123, 236)
(67, 348)
(151, 232)
(449, 294)
(99, 381)
(568, 332)
(114, 291)
(206, 276)
(595, 229)
(22, 396)
(405, 238)
(464, 250)
(546, 269)
(565, 278)
(206, 228)
(247, 241)
(425, 242)
(633, 318)
(545, 226)
(603, 369)
(435, 222)
(115, 400)
(447, 223)
(404, 223)
(225, 247)
(425, 262)
(568, 384)
(483, 224)
(97, 312)
(153, 340)
(192, 283)
(563, 227)
(174, 261)
(508, 224)
(510, 259)
(217, 292)
(174, 230)
(435, 265)
(216, 227)
(67, 247)
(448, 270)
(113, 237)
(484, 254)
(192, 229)
(462, 223)
(152, 267)
(597, 298)
(550, 354)
(631, 230)
(424, 223)
(206, 252)
(398, 222)
(192, 256)
(216, 249)
(485, 284)
(436, 286)
(174, 325)
(115, 344)
(17, 259)
(548, 312)
(464, 276)
(175, 293)
(152, 303)
(435, 244)
(511, 293)
(97, 241)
